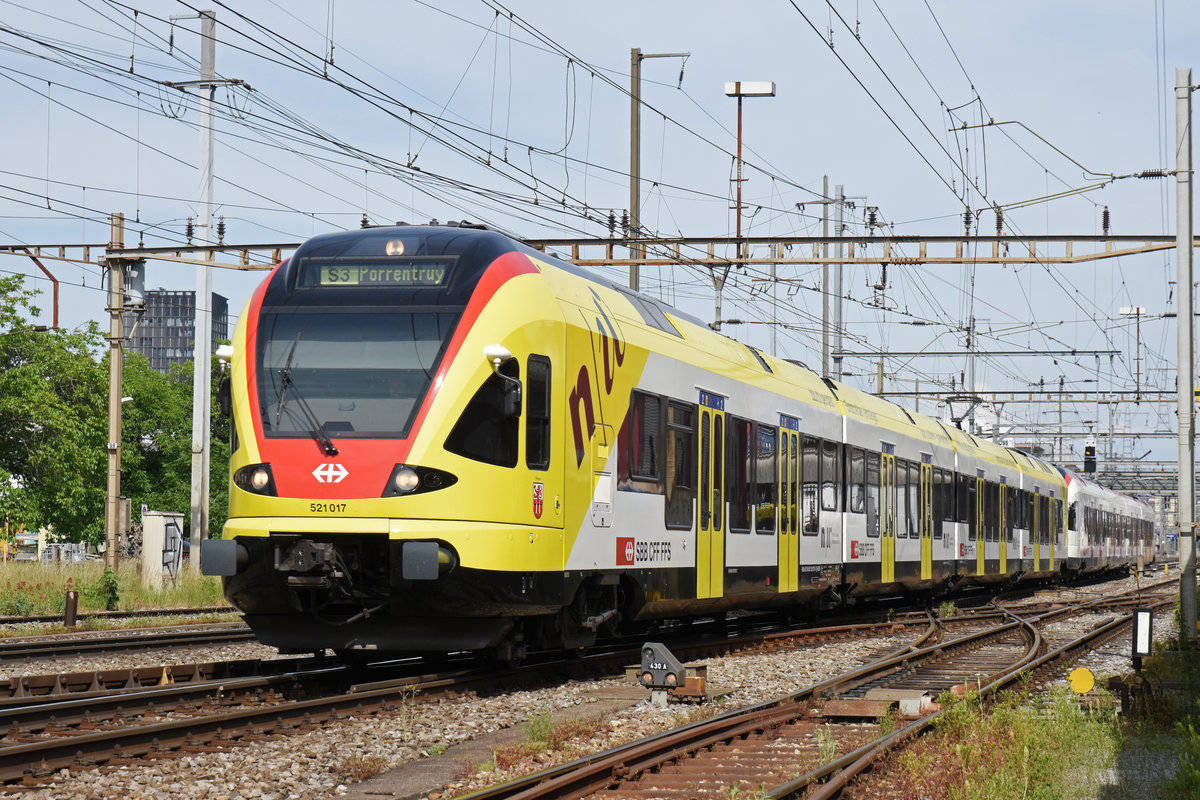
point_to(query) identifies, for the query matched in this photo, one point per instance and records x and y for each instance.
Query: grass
(31, 588)
(1021, 748)
(1057, 745)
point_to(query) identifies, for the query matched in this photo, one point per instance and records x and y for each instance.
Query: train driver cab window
(537, 413)
(830, 476)
(680, 464)
(484, 432)
(858, 485)
(873, 495)
(811, 472)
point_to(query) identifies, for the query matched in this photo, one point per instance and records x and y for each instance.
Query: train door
(980, 525)
(887, 476)
(789, 503)
(925, 507)
(710, 527)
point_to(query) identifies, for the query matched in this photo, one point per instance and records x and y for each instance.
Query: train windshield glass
(356, 375)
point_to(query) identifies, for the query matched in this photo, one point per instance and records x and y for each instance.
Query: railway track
(86, 723)
(95, 719)
(112, 615)
(817, 739)
(14, 650)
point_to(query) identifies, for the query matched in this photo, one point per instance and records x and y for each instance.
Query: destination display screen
(391, 272)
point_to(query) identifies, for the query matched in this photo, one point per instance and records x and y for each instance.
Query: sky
(517, 115)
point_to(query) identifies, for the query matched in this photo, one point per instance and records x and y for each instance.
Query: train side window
(537, 413)
(858, 481)
(966, 504)
(680, 464)
(1073, 516)
(737, 478)
(830, 476)
(811, 474)
(939, 501)
(765, 478)
(873, 494)
(903, 523)
(484, 432)
(1010, 504)
(946, 486)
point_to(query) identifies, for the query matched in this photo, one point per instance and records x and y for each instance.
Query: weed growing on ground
(947, 609)
(827, 746)
(357, 769)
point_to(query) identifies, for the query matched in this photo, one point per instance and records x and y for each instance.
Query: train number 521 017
(327, 508)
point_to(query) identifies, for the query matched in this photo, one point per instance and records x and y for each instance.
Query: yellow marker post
(1081, 680)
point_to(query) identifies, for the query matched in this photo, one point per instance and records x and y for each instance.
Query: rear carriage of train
(1106, 530)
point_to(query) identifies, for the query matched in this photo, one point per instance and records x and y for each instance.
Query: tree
(52, 421)
(54, 428)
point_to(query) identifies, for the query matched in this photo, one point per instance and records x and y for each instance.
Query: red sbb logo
(853, 548)
(624, 551)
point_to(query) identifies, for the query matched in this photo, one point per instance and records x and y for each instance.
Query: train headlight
(255, 478)
(406, 480)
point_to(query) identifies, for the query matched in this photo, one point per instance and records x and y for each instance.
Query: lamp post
(635, 153)
(739, 89)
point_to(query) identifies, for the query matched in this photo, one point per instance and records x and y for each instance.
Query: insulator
(625, 223)
(365, 222)
(872, 217)
(1152, 173)
(967, 219)
(612, 223)
(191, 230)
(1105, 220)
(999, 220)
(220, 230)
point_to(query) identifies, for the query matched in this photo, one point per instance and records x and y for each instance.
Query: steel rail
(39, 647)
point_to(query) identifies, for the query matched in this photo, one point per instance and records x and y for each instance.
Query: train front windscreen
(355, 373)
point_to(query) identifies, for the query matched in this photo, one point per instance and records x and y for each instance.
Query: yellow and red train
(447, 440)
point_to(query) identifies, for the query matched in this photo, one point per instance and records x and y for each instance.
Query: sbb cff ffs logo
(625, 550)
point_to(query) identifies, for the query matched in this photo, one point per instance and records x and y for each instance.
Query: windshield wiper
(316, 429)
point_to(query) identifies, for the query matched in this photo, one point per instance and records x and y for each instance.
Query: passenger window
(483, 432)
(873, 494)
(765, 479)
(858, 488)
(537, 413)
(680, 464)
(811, 473)
(830, 476)
(735, 486)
